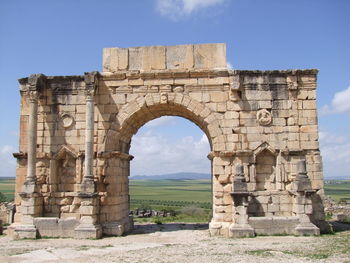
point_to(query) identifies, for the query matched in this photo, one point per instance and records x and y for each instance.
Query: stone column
(31, 199)
(88, 178)
(89, 226)
(32, 137)
(87, 185)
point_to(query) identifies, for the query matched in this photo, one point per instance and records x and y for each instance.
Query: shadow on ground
(339, 226)
(145, 228)
(167, 227)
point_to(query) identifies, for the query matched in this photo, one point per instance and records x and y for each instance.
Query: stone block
(218, 96)
(113, 229)
(179, 57)
(24, 231)
(153, 58)
(88, 231)
(115, 59)
(210, 56)
(135, 58)
(88, 210)
(238, 231)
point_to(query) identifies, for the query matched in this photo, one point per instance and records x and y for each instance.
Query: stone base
(29, 187)
(112, 229)
(274, 225)
(56, 227)
(214, 228)
(87, 186)
(307, 230)
(241, 230)
(88, 231)
(17, 231)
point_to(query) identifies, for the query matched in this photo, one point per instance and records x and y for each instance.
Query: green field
(170, 193)
(179, 193)
(7, 187)
(339, 191)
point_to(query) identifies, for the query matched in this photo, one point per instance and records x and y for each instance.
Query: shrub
(2, 198)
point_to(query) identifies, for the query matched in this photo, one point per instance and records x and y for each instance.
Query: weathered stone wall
(265, 121)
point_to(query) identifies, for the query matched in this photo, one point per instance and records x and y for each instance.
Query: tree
(2, 197)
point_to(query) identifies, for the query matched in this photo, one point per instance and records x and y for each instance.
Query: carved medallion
(67, 120)
(163, 98)
(264, 117)
(178, 89)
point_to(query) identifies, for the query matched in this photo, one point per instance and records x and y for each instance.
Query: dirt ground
(179, 243)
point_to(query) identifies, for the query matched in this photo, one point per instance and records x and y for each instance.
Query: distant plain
(180, 193)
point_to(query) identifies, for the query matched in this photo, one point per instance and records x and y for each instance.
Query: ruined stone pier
(73, 161)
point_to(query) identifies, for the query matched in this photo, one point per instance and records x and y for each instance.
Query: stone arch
(132, 116)
(135, 114)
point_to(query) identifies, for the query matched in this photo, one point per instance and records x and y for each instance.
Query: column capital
(36, 81)
(33, 96)
(91, 83)
(32, 86)
(89, 94)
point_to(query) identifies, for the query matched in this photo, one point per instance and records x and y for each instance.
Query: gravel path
(172, 243)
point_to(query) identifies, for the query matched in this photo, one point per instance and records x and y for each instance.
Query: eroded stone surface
(264, 122)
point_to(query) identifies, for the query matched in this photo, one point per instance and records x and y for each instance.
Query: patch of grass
(347, 220)
(337, 244)
(319, 255)
(158, 221)
(47, 237)
(174, 219)
(339, 191)
(259, 252)
(106, 246)
(83, 248)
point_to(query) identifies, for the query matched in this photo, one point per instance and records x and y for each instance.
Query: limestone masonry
(75, 133)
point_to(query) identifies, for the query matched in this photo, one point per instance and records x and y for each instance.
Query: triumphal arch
(75, 133)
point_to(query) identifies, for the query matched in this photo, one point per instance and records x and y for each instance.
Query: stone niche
(265, 171)
(72, 177)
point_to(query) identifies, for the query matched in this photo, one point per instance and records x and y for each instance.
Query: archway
(132, 116)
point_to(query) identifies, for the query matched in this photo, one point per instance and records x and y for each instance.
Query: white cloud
(335, 150)
(340, 103)
(7, 161)
(156, 154)
(176, 9)
(165, 120)
(229, 65)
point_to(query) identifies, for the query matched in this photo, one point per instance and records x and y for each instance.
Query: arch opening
(170, 175)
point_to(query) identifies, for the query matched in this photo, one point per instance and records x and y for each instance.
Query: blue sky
(66, 37)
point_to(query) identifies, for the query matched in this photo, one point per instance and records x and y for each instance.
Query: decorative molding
(65, 150)
(262, 147)
(113, 154)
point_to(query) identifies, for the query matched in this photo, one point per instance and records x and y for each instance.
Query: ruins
(75, 133)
